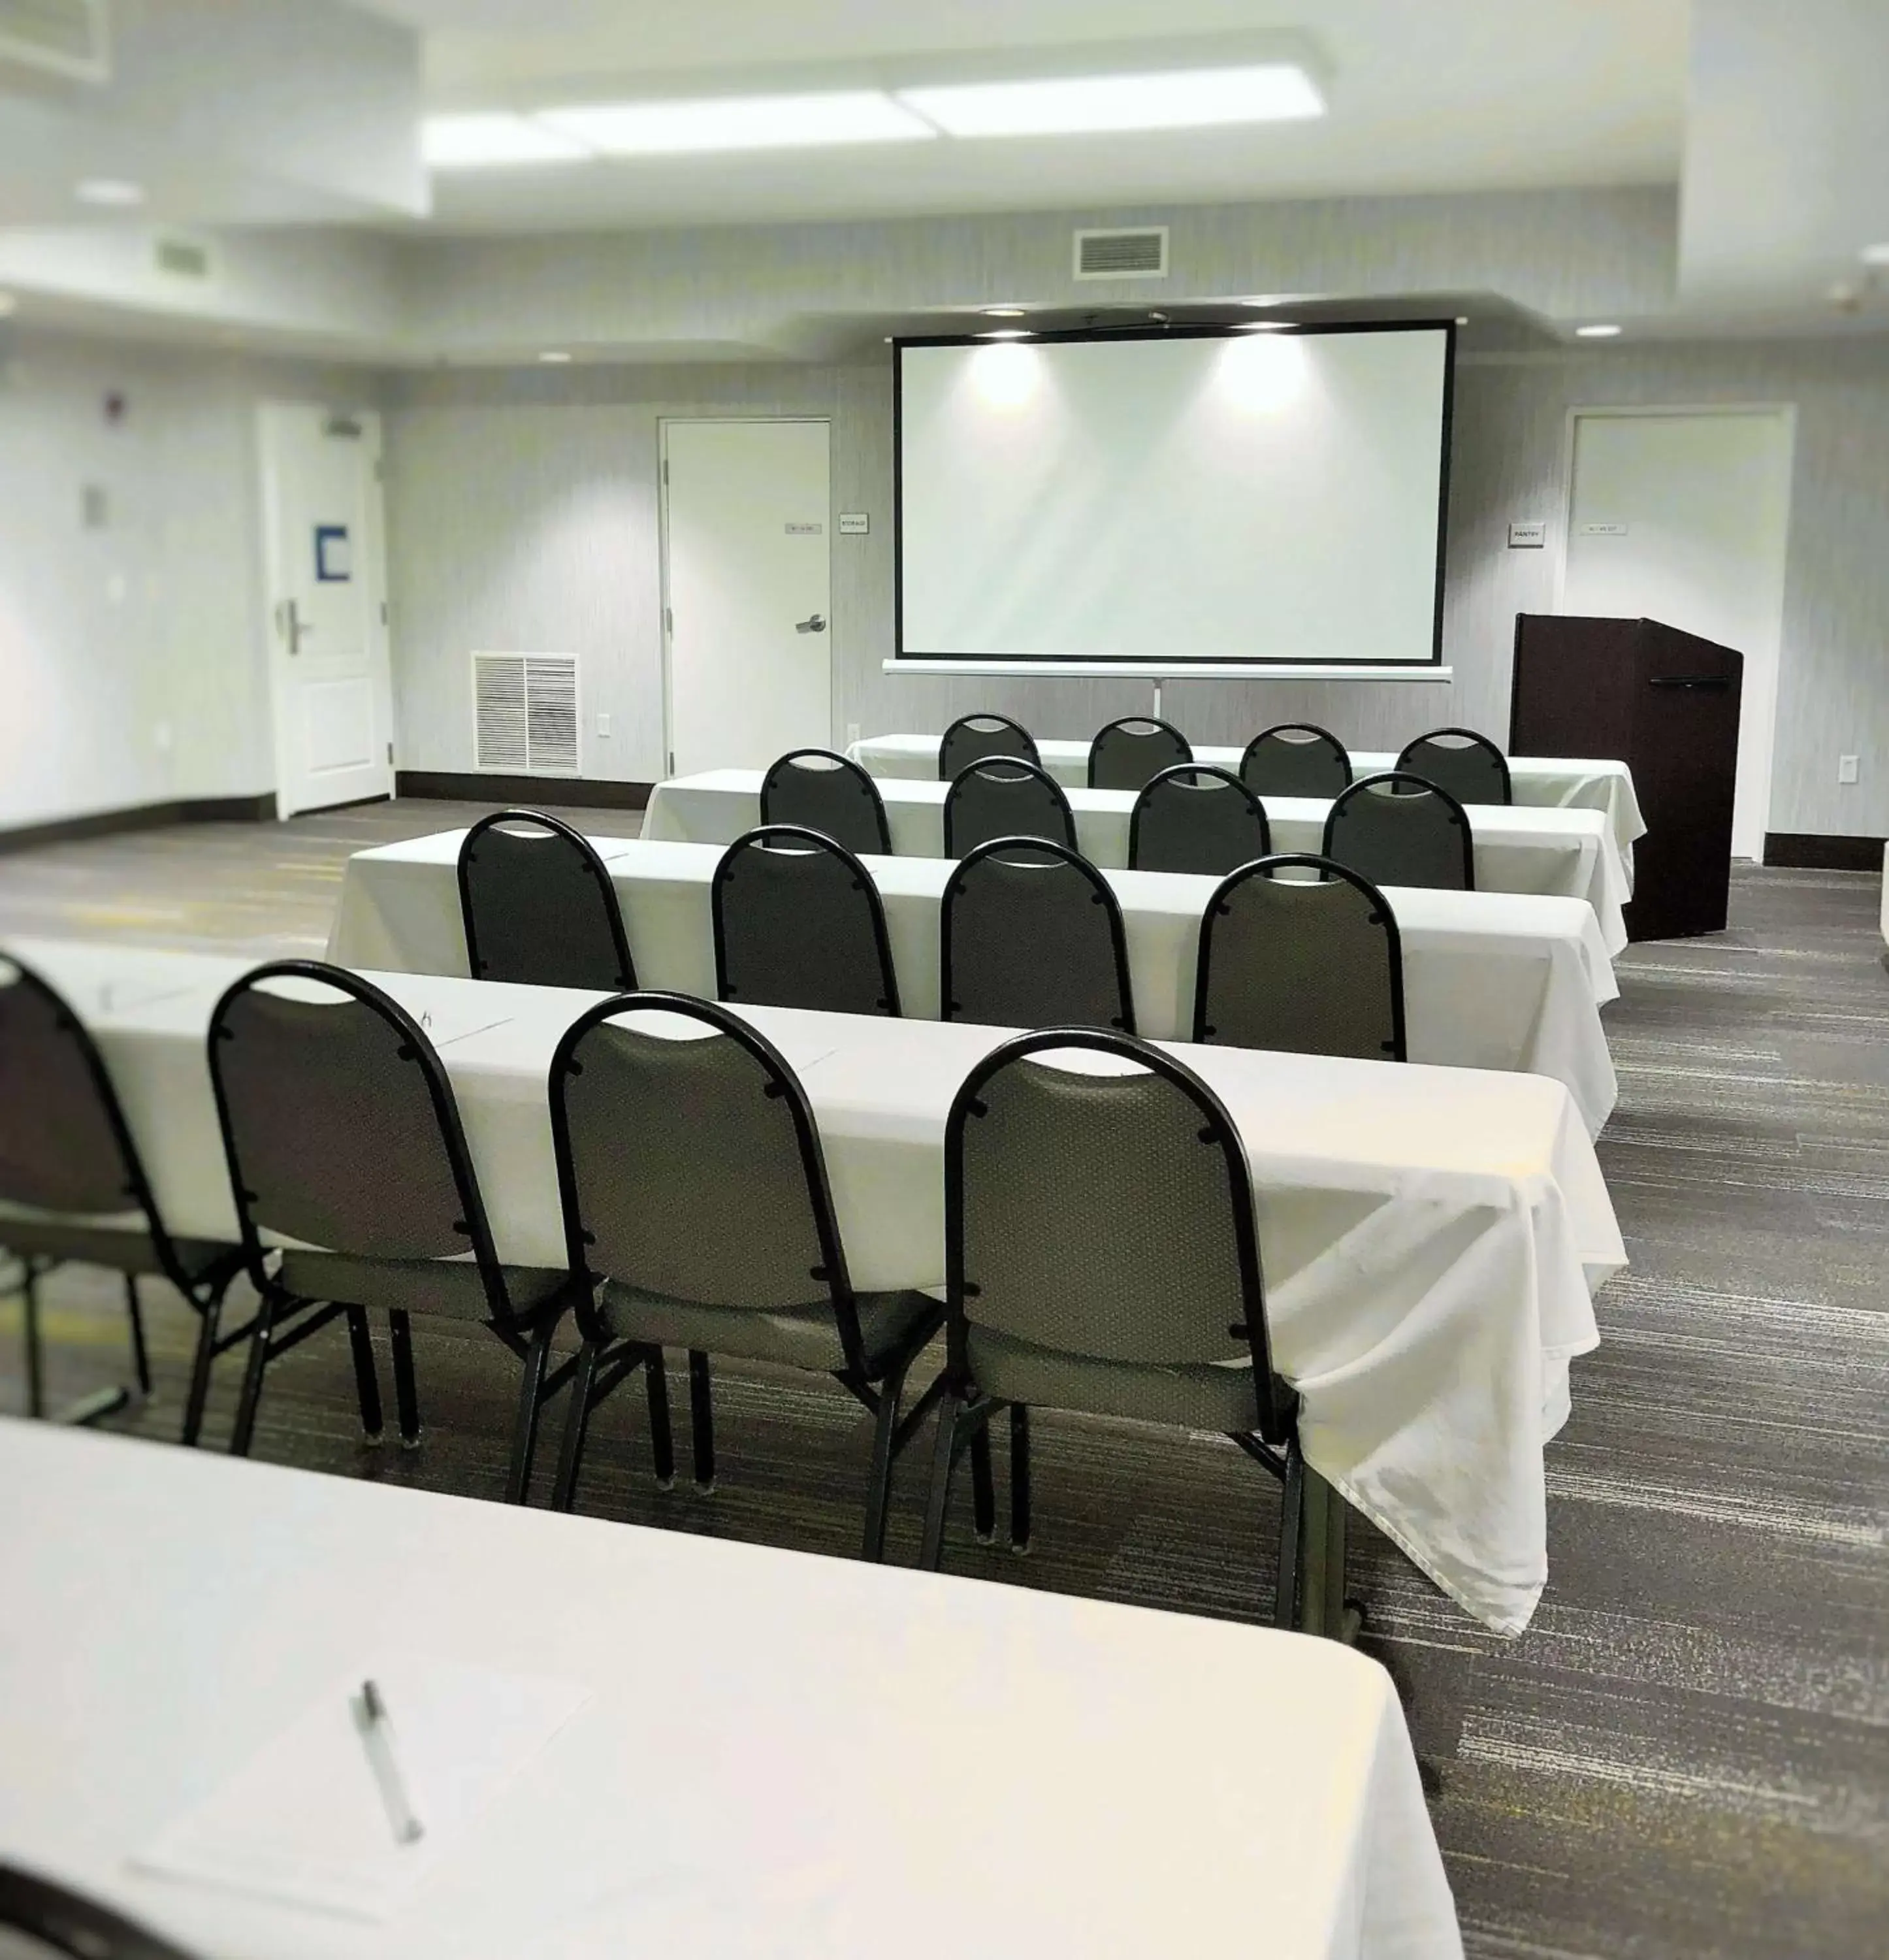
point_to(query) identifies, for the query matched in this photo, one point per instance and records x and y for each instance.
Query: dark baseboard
(1803, 852)
(566, 792)
(143, 817)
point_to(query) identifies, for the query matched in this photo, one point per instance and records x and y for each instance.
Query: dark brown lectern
(1666, 704)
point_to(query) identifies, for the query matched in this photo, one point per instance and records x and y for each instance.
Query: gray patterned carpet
(1687, 1755)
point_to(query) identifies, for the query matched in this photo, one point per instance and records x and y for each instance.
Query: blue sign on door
(334, 556)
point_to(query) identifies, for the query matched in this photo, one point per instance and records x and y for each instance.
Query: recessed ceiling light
(1002, 312)
(110, 193)
(1462, 319)
(554, 357)
(1264, 326)
(1601, 330)
(1875, 255)
(476, 142)
(1180, 99)
(738, 122)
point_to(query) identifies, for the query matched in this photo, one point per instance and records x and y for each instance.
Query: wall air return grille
(1139, 254)
(525, 713)
(68, 38)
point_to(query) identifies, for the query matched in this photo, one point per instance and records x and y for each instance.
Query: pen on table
(376, 1733)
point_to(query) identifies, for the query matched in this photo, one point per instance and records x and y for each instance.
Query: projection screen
(1214, 497)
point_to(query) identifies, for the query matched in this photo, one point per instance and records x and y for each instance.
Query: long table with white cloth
(1566, 853)
(1431, 1237)
(1541, 782)
(1491, 979)
(621, 1741)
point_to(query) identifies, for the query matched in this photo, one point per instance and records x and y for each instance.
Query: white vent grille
(1140, 254)
(525, 713)
(62, 37)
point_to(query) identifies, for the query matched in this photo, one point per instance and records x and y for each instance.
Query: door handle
(1711, 683)
(813, 624)
(291, 624)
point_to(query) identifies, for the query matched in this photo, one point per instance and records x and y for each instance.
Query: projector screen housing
(1162, 500)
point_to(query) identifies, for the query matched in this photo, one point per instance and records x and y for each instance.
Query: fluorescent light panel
(738, 122)
(1180, 99)
(476, 142)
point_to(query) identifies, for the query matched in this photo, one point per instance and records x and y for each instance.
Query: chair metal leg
(35, 1357)
(878, 1482)
(211, 1316)
(1019, 1478)
(524, 1436)
(944, 1460)
(243, 1433)
(564, 1490)
(140, 1354)
(983, 1488)
(702, 1420)
(406, 1394)
(367, 1376)
(1291, 1526)
(662, 1440)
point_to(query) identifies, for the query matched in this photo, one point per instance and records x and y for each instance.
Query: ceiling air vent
(1139, 254)
(525, 713)
(181, 258)
(63, 37)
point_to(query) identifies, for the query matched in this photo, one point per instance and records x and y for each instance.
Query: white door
(1684, 517)
(328, 639)
(745, 585)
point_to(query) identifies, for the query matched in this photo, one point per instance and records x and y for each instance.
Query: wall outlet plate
(1846, 767)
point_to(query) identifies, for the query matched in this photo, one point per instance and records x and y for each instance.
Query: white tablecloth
(1552, 782)
(1567, 853)
(779, 1756)
(1491, 980)
(1430, 1235)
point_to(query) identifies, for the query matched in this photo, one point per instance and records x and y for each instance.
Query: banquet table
(1542, 782)
(759, 1754)
(1491, 979)
(1551, 853)
(1431, 1237)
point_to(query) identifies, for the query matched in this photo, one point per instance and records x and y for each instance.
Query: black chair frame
(1193, 769)
(1034, 756)
(285, 1320)
(594, 869)
(1298, 728)
(599, 1363)
(966, 1414)
(1328, 869)
(1135, 721)
(205, 1292)
(1366, 784)
(1058, 795)
(70, 1923)
(876, 801)
(1102, 892)
(765, 834)
(1475, 736)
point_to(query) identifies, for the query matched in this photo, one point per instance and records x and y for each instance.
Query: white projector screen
(1216, 497)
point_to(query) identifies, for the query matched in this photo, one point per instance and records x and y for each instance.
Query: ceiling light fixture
(110, 193)
(737, 122)
(478, 142)
(1074, 105)
(1002, 312)
(554, 357)
(1601, 330)
(1875, 255)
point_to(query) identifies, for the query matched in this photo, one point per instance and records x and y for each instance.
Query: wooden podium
(1666, 704)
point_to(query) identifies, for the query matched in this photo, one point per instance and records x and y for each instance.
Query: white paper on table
(304, 1820)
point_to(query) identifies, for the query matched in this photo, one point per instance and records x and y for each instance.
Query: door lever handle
(813, 624)
(291, 624)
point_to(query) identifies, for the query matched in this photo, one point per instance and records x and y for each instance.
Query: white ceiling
(1425, 95)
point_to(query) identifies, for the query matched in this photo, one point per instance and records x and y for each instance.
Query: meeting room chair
(1001, 797)
(821, 790)
(345, 1150)
(1125, 754)
(1032, 936)
(1102, 1256)
(974, 738)
(538, 907)
(40, 1917)
(799, 923)
(1295, 759)
(1312, 963)
(1196, 818)
(698, 1215)
(73, 1191)
(1397, 829)
(1469, 766)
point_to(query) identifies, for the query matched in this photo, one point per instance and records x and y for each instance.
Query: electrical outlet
(852, 733)
(603, 724)
(1846, 768)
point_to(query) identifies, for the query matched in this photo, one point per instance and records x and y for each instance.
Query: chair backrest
(1194, 817)
(1001, 797)
(1312, 965)
(340, 1125)
(1468, 766)
(1125, 754)
(55, 1919)
(1397, 829)
(1297, 759)
(821, 790)
(538, 906)
(689, 1165)
(63, 1143)
(799, 923)
(973, 737)
(1105, 1215)
(1032, 936)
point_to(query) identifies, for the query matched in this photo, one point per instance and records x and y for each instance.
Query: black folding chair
(51, 1918)
(799, 923)
(1312, 965)
(973, 738)
(1468, 766)
(1295, 759)
(821, 790)
(73, 1190)
(538, 906)
(1196, 818)
(1002, 797)
(1126, 753)
(1397, 829)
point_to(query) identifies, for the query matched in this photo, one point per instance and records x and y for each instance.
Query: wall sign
(1604, 530)
(334, 555)
(854, 523)
(805, 530)
(1528, 537)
